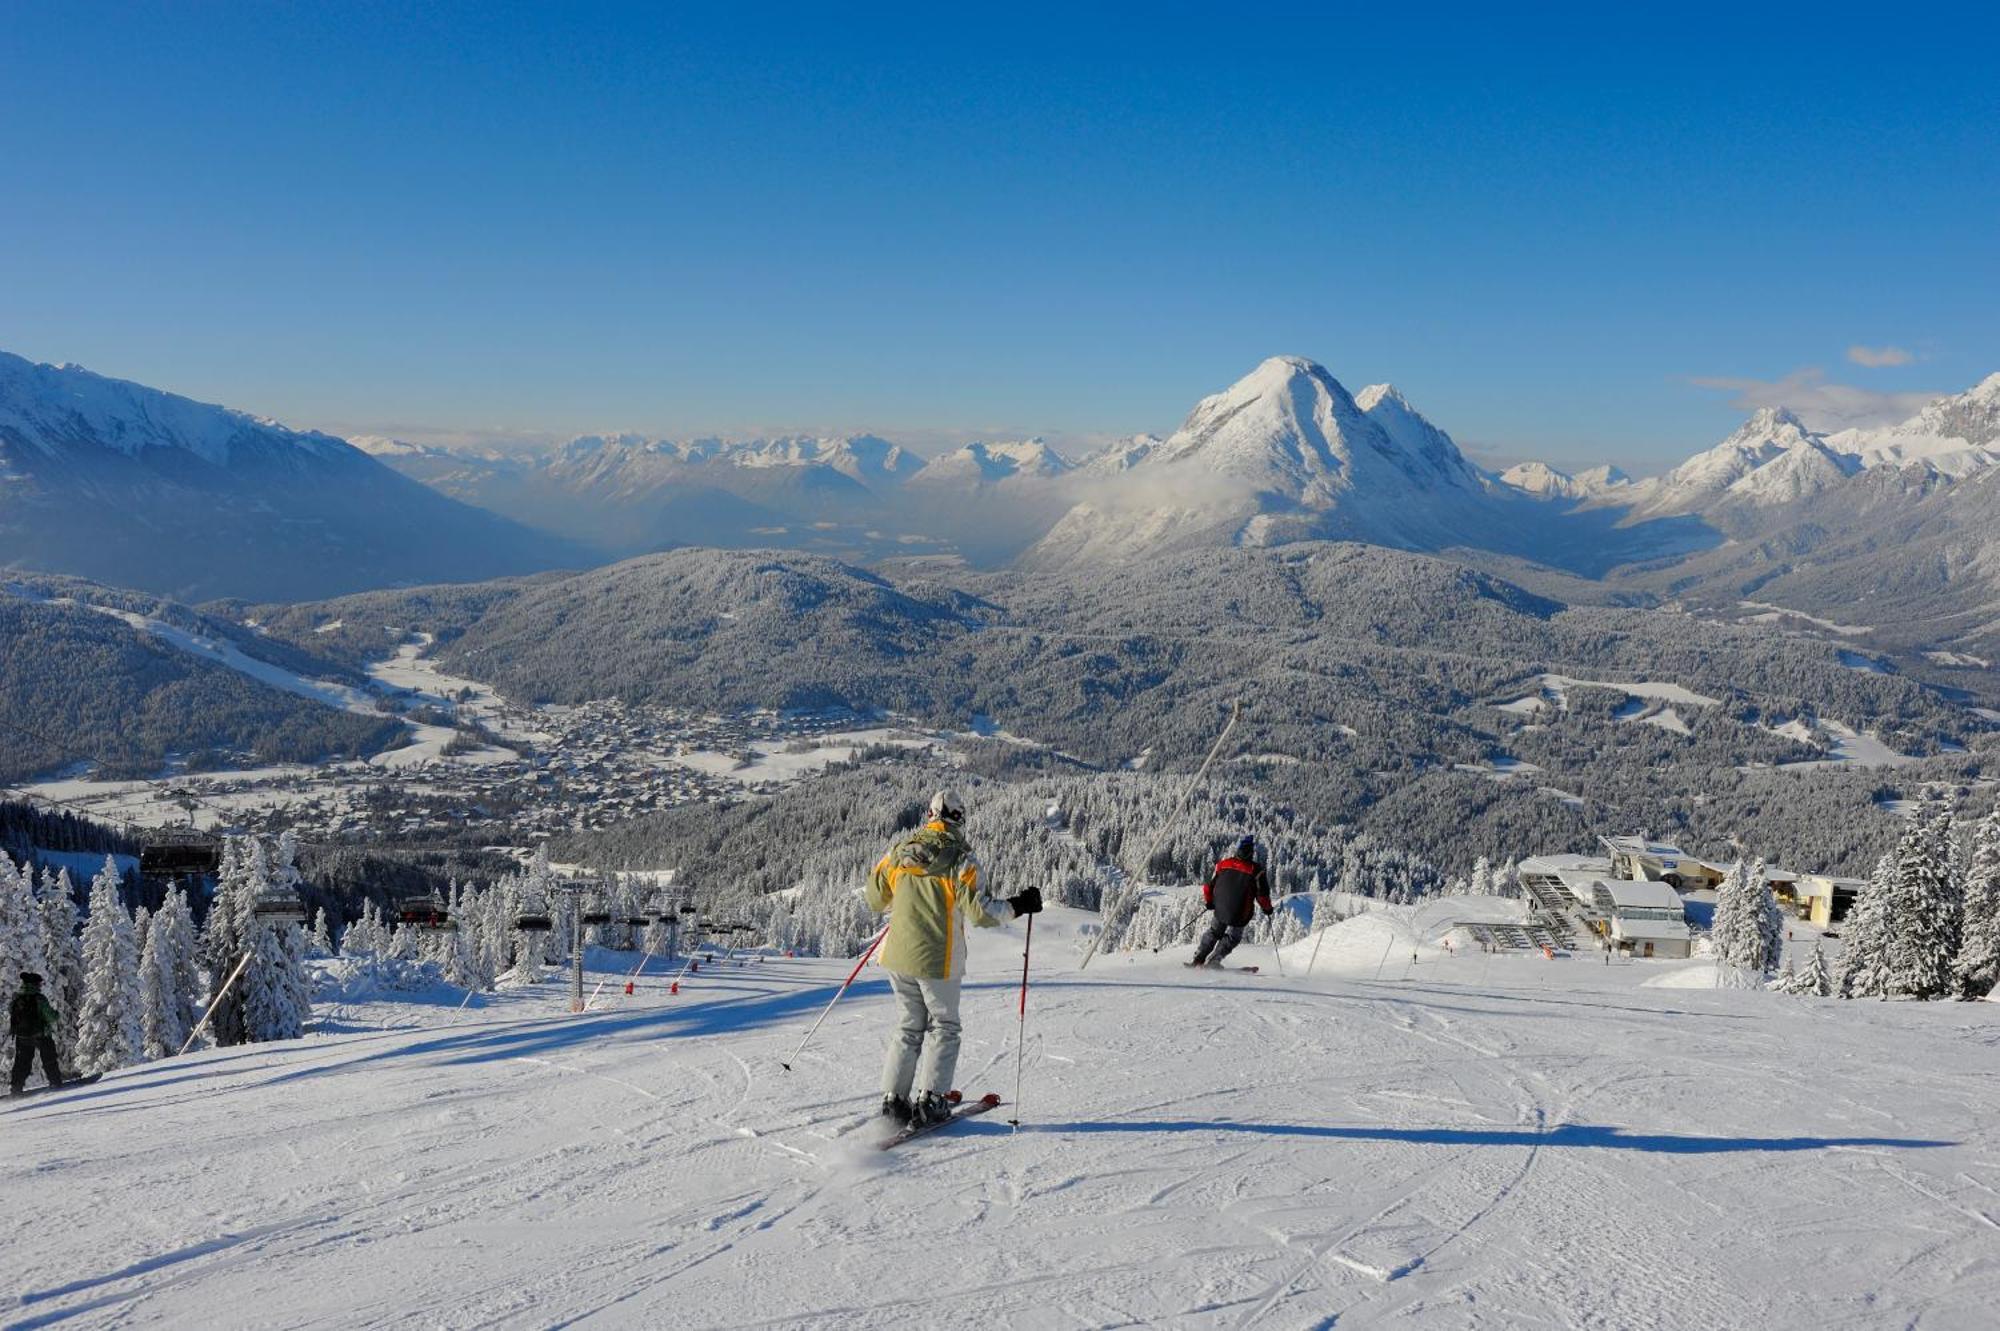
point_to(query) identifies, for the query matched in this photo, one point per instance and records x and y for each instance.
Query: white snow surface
(1472, 1141)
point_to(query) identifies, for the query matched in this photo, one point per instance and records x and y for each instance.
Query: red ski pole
(1021, 1040)
(828, 1010)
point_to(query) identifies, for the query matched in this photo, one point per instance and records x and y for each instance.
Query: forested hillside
(82, 690)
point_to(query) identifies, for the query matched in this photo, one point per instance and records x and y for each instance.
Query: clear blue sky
(1542, 228)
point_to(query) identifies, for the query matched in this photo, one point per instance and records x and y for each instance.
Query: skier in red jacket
(1237, 884)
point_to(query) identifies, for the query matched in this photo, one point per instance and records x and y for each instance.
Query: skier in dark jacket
(32, 1023)
(1237, 884)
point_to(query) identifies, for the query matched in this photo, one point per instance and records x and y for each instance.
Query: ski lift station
(1641, 917)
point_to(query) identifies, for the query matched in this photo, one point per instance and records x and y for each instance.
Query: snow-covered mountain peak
(986, 462)
(1545, 482)
(66, 409)
(1289, 428)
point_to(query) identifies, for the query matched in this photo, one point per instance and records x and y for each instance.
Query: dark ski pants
(25, 1049)
(1220, 940)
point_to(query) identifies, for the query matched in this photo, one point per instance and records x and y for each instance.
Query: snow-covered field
(1473, 1141)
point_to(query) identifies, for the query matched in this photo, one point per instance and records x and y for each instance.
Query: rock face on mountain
(1956, 435)
(129, 485)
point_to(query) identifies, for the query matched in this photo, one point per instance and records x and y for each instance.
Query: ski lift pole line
(839, 993)
(1167, 823)
(215, 1003)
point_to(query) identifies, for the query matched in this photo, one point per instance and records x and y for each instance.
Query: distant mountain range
(133, 486)
(142, 488)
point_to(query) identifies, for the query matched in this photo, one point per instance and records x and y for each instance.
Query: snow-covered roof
(1655, 930)
(1553, 865)
(1628, 895)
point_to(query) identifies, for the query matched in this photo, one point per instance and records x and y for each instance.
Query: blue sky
(434, 220)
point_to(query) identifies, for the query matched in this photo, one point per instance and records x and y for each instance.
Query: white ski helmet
(946, 806)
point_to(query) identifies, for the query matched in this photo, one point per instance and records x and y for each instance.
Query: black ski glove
(1028, 903)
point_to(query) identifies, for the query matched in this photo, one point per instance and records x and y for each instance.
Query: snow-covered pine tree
(1977, 966)
(1815, 981)
(1925, 911)
(169, 979)
(321, 943)
(1482, 878)
(109, 1032)
(1787, 981)
(1770, 921)
(1863, 971)
(20, 928)
(1746, 917)
(271, 1008)
(62, 956)
(226, 938)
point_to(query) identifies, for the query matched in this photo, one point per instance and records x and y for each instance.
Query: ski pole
(837, 995)
(215, 1003)
(1021, 1040)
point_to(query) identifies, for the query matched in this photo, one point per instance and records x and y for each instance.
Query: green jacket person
(32, 1023)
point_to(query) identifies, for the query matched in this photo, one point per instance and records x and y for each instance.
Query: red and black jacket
(1234, 887)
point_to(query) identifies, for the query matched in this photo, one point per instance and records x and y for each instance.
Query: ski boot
(930, 1108)
(897, 1109)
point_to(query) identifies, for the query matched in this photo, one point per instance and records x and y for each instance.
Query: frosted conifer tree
(273, 985)
(1482, 878)
(20, 928)
(1924, 910)
(1977, 965)
(244, 873)
(321, 942)
(1864, 956)
(62, 957)
(169, 979)
(109, 1032)
(1748, 930)
(1814, 981)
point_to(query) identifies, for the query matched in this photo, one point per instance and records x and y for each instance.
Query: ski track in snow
(1478, 1141)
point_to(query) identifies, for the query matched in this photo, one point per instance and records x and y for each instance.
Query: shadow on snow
(1587, 1136)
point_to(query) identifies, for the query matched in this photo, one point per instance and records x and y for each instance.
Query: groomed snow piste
(1466, 1141)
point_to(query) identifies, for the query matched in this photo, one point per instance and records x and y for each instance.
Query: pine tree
(62, 957)
(273, 984)
(1814, 981)
(20, 928)
(226, 938)
(169, 979)
(109, 1030)
(1770, 922)
(1925, 911)
(1977, 966)
(1864, 965)
(1482, 878)
(1749, 929)
(321, 942)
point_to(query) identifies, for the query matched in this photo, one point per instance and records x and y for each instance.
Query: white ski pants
(923, 1052)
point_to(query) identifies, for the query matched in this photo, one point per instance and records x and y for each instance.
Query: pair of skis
(964, 1110)
(1204, 966)
(16, 1097)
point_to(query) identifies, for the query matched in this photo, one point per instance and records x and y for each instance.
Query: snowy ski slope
(1464, 1142)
